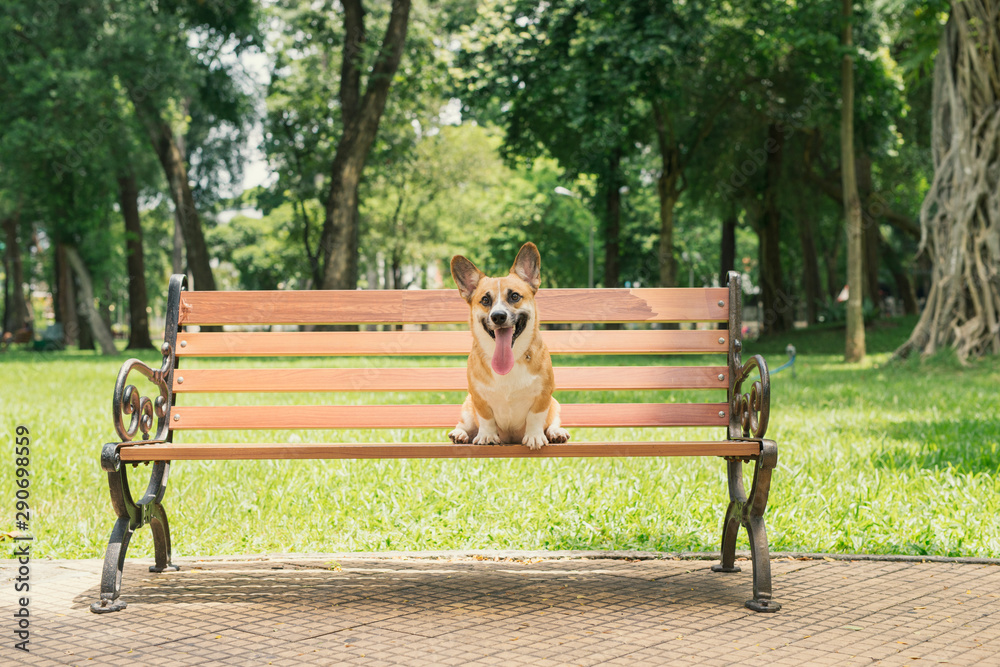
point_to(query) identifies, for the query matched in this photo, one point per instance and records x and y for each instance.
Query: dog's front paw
(459, 436)
(534, 441)
(486, 439)
(557, 434)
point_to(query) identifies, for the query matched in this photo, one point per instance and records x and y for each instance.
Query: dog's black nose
(498, 317)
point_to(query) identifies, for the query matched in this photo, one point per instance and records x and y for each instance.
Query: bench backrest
(436, 307)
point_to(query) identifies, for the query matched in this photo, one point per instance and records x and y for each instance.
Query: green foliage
(537, 211)
(261, 250)
(570, 86)
(64, 127)
(304, 124)
(71, 77)
(450, 193)
(562, 79)
(832, 311)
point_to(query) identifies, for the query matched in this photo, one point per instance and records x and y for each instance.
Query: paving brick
(288, 610)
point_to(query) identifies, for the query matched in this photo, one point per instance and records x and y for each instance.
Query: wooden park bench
(742, 419)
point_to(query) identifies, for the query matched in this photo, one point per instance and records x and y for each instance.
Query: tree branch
(902, 222)
(32, 43)
(351, 61)
(386, 64)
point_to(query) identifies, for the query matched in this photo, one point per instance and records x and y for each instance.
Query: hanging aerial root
(960, 215)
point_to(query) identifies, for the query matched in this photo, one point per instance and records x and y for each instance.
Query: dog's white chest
(511, 396)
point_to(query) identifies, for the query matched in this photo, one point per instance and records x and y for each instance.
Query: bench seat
(212, 451)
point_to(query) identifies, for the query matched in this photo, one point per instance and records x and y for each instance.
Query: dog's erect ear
(528, 265)
(466, 276)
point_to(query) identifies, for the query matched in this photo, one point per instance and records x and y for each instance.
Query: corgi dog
(510, 371)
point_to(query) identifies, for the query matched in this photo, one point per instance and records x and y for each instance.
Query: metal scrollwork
(753, 407)
(141, 409)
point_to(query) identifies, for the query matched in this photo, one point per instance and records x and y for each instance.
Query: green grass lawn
(875, 457)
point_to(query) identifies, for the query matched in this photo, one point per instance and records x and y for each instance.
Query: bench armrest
(752, 408)
(128, 401)
(110, 456)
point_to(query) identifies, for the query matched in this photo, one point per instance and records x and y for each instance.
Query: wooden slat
(352, 343)
(445, 306)
(436, 416)
(438, 379)
(241, 451)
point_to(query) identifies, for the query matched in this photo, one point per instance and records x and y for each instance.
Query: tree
(360, 116)
(128, 202)
(412, 206)
(16, 311)
(57, 116)
(261, 250)
(168, 58)
(75, 83)
(960, 216)
(686, 51)
(100, 330)
(547, 73)
(855, 346)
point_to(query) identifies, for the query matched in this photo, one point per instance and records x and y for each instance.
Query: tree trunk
(340, 228)
(666, 187)
(668, 192)
(177, 257)
(315, 272)
(172, 161)
(870, 232)
(17, 314)
(904, 287)
(386, 272)
(854, 349)
(65, 298)
(960, 216)
(177, 263)
(104, 306)
(810, 266)
(727, 250)
(871, 245)
(128, 197)
(612, 220)
(102, 334)
(397, 272)
(831, 253)
(6, 294)
(855, 339)
(84, 334)
(361, 118)
(778, 309)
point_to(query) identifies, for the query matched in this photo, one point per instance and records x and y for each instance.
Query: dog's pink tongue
(503, 355)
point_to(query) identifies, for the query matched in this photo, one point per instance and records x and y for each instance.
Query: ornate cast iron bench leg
(161, 539)
(750, 514)
(734, 517)
(132, 516)
(753, 520)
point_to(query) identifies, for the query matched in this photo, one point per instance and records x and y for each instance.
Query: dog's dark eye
(486, 300)
(514, 297)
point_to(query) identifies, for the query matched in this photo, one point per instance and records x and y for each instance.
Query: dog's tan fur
(517, 407)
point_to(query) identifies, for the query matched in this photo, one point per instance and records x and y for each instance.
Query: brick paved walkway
(346, 609)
